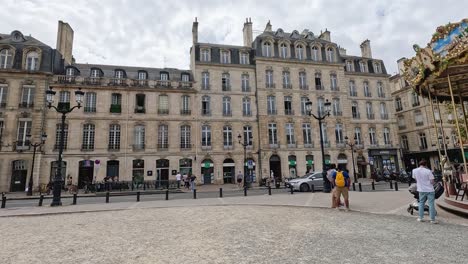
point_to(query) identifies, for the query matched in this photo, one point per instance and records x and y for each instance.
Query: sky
(154, 33)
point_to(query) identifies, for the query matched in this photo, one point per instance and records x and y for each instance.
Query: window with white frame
(300, 52)
(64, 97)
(142, 75)
(119, 74)
(349, 66)
(185, 138)
(362, 66)
(185, 77)
(352, 89)
(246, 111)
(369, 110)
(116, 99)
(304, 100)
(163, 136)
(164, 76)
(418, 118)
(95, 73)
(357, 135)
(225, 56)
(27, 97)
(318, 81)
(415, 99)
(272, 134)
(114, 137)
(271, 105)
(32, 61)
(248, 135)
(244, 58)
(185, 104)
(245, 83)
(227, 106)
(307, 134)
(227, 136)
(315, 53)
(321, 106)
(24, 128)
(372, 137)
(333, 82)
(339, 133)
(225, 82)
(206, 136)
(290, 140)
(206, 110)
(386, 136)
(3, 95)
(90, 102)
(269, 79)
(377, 67)
(88, 137)
(6, 59)
(404, 142)
(283, 50)
(286, 80)
(367, 92)
(205, 85)
(380, 90)
(205, 55)
(324, 133)
(288, 105)
(398, 104)
(267, 49)
(336, 107)
(139, 139)
(422, 141)
(330, 54)
(383, 111)
(303, 80)
(355, 110)
(163, 106)
(401, 122)
(70, 71)
(58, 130)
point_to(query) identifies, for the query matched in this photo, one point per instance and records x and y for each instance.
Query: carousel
(439, 72)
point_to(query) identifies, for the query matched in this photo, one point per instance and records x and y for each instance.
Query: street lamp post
(244, 144)
(321, 116)
(35, 145)
(352, 145)
(64, 110)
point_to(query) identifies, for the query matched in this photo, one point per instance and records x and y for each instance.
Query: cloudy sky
(154, 33)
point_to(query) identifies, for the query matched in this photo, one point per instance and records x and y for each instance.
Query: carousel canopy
(444, 58)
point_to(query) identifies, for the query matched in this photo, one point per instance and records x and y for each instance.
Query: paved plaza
(281, 228)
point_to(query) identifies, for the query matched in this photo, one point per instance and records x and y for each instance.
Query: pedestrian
(330, 173)
(342, 182)
(425, 186)
(178, 178)
(186, 181)
(192, 182)
(239, 179)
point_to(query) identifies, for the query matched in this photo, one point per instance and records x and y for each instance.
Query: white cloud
(158, 33)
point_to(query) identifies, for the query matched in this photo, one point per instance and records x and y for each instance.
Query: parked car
(304, 183)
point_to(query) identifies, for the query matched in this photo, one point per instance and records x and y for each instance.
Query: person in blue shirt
(342, 190)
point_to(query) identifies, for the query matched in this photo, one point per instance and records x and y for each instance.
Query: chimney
(247, 30)
(325, 35)
(268, 27)
(65, 42)
(342, 51)
(366, 51)
(195, 31)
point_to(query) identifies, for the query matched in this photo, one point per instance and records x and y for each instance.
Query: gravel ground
(229, 234)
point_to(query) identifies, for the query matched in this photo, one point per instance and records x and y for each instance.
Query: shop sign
(310, 162)
(327, 161)
(342, 161)
(292, 163)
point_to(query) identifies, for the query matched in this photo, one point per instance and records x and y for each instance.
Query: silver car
(304, 183)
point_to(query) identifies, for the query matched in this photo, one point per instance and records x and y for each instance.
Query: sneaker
(420, 220)
(434, 222)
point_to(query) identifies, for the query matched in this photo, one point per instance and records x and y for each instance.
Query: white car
(304, 183)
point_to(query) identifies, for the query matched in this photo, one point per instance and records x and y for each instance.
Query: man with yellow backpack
(342, 183)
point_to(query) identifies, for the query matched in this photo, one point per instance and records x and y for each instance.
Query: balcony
(226, 87)
(163, 111)
(206, 87)
(228, 147)
(287, 86)
(140, 83)
(206, 147)
(185, 112)
(185, 146)
(368, 94)
(272, 112)
(292, 144)
(138, 147)
(356, 115)
(398, 109)
(247, 113)
(337, 113)
(422, 147)
(246, 89)
(117, 82)
(66, 79)
(26, 105)
(319, 87)
(326, 144)
(340, 144)
(309, 145)
(21, 146)
(335, 88)
(140, 110)
(384, 116)
(401, 127)
(270, 85)
(304, 87)
(115, 108)
(388, 144)
(89, 109)
(163, 84)
(113, 147)
(87, 147)
(373, 144)
(353, 93)
(206, 112)
(56, 147)
(185, 85)
(381, 95)
(370, 116)
(163, 146)
(415, 104)
(92, 80)
(288, 112)
(419, 123)
(227, 113)
(274, 145)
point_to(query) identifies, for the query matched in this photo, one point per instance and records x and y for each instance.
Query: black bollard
(313, 188)
(144, 186)
(269, 190)
(373, 186)
(74, 198)
(3, 201)
(220, 192)
(354, 186)
(194, 193)
(391, 184)
(245, 191)
(138, 196)
(107, 197)
(292, 190)
(167, 194)
(396, 186)
(41, 199)
(360, 187)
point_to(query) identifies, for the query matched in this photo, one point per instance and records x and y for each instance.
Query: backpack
(340, 179)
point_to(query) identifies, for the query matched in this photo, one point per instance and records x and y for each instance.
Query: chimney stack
(366, 51)
(247, 30)
(325, 35)
(195, 31)
(342, 50)
(65, 42)
(268, 27)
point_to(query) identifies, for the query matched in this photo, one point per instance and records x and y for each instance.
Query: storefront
(229, 171)
(384, 158)
(207, 171)
(292, 166)
(310, 163)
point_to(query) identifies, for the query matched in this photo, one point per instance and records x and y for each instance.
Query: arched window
(383, 111)
(398, 104)
(114, 137)
(422, 141)
(88, 137)
(205, 55)
(266, 49)
(372, 137)
(349, 66)
(226, 82)
(300, 52)
(227, 137)
(205, 85)
(369, 110)
(380, 90)
(333, 82)
(245, 83)
(303, 81)
(227, 106)
(139, 133)
(355, 110)
(206, 136)
(377, 67)
(386, 136)
(315, 53)
(362, 66)
(6, 59)
(163, 137)
(367, 92)
(246, 111)
(283, 50)
(225, 56)
(206, 110)
(185, 137)
(352, 88)
(32, 61)
(330, 55)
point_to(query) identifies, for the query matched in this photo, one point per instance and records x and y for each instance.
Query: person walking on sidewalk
(342, 182)
(178, 178)
(239, 179)
(425, 186)
(192, 182)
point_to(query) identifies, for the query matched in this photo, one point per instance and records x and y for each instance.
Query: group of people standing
(188, 180)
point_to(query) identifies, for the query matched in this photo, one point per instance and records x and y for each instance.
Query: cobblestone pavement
(229, 234)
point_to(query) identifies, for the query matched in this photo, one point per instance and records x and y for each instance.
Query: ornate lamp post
(35, 145)
(321, 116)
(352, 145)
(244, 144)
(64, 110)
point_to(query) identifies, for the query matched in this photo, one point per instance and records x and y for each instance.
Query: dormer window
(225, 57)
(266, 49)
(70, 72)
(299, 52)
(377, 68)
(32, 61)
(330, 55)
(119, 74)
(142, 75)
(315, 53)
(185, 77)
(205, 55)
(283, 50)
(244, 58)
(164, 76)
(6, 59)
(362, 66)
(349, 66)
(95, 73)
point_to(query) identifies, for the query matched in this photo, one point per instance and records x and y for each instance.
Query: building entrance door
(18, 176)
(275, 167)
(85, 173)
(162, 173)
